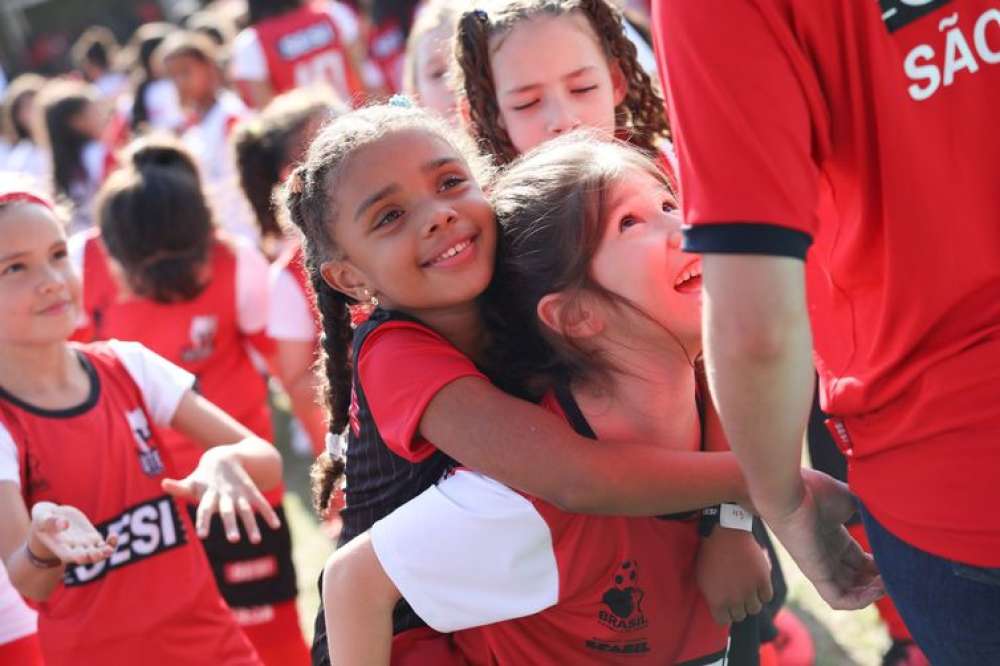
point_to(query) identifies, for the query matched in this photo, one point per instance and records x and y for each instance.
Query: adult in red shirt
(868, 131)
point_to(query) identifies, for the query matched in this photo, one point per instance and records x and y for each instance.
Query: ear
(569, 317)
(344, 277)
(619, 86)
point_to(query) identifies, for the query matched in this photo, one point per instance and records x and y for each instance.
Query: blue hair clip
(401, 101)
(481, 15)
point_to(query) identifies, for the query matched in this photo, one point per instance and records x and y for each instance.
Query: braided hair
(640, 117)
(310, 201)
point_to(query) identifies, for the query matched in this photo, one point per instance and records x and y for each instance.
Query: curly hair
(640, 118)
(309, 199)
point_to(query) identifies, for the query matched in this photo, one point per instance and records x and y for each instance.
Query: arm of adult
(748, 131)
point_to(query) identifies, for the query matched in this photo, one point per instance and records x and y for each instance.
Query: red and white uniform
(207, 138)
(154, 601)
(207, 336)
(305, 46)
(869, 130)
(291, 312)
(522, 582)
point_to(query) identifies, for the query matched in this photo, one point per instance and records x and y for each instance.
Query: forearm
(531, 449)
(758, 349)
(32, 581)
(358, 600)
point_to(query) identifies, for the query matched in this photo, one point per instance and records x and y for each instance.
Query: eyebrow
(394, 187)
(529, 86)
(11, 257)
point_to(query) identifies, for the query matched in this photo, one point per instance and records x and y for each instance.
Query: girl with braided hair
(405, 253)
(589, 77)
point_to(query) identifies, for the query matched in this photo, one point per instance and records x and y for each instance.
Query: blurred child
(267, 147)
(189, 59)
(158, 258)
(429, 56)
(155, 103)
(80, 446)
(94, 54)
(291, 43)
(74, 122)
(22, 128)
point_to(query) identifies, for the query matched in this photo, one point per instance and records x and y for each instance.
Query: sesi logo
(900, 13)
(143, 531)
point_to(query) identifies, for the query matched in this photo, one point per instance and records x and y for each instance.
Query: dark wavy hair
(640, 117)
(269, 143)
(140, 49)
(155, 221)
(61, 102)
(552, 205)
(310, 200)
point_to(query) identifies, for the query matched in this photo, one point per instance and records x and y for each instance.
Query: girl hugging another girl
(406, 254)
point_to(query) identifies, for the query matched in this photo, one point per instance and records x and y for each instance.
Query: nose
(440, 217)
(561, 117)
(51, 281)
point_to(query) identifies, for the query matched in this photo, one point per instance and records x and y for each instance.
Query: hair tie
(336, 445)
(401, 101)
(25, 197)
(481, 15)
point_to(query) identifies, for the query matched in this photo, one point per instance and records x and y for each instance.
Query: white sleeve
(289, 315)
(346, 21)
(10, 468)
(247, 61)
(162, 383)
(251, 288)
(469, 552)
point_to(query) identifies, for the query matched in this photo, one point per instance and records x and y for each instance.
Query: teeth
(688, 275)
(453, 250)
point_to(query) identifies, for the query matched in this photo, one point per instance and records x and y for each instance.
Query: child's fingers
(263, 507)
(206, 507)
(227, 512)
(181, 489)
(112, 541)
(249, 518)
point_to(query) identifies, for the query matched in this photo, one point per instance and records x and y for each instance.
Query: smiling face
(572, 86)
(640, 257)
(39, 292)
(411, 225)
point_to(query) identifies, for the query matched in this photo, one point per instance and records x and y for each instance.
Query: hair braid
(642, 112)
(473, 57)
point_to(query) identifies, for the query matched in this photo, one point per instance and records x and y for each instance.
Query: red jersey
(522, 582)
(868, 129)
(154, 601)
(305, 46)
(202, 335)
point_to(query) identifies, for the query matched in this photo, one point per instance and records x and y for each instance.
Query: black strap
(572, 410)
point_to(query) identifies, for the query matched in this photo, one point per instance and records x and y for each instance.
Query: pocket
(984, 575)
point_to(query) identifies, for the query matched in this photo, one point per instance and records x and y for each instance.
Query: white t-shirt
(491, 557)
(208, 141)
(161, 383)
(163, 106)
(16, 619)
(248, 63)
(290, 316)
(251, 281)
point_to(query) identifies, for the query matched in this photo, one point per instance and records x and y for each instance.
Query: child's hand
(220, 485)
(734, 574)
(63, 532)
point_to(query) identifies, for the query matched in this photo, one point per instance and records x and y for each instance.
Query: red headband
(24, 197)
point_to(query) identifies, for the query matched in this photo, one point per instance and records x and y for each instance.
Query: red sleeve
(401, 367)
(740, 104)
